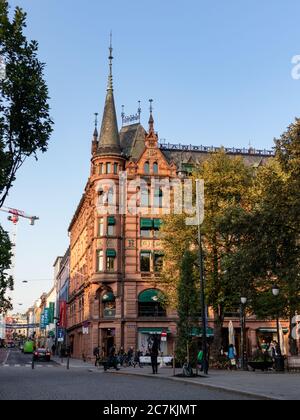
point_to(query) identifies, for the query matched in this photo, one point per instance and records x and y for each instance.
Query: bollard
(68, 362)
(32, 363)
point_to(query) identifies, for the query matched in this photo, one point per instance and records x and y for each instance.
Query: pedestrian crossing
(28, 365)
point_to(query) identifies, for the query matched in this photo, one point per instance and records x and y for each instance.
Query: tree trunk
(217, 343)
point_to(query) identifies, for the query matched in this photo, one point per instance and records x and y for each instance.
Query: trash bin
(279, 363)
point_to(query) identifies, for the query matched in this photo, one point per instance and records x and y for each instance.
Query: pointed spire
(95, 135)
(110, 77)
(151, 119)
(109, 139)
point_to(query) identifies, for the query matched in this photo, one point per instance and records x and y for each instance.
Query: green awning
(197, 332)
(153, 330)
(272, 330)
(111, 253)
(151, 295)
(108, 297)
(111, 221)
(146, 223)
(157, 223)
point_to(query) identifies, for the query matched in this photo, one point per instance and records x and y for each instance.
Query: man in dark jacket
(154, 353)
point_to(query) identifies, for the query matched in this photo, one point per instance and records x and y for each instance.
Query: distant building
(62, 296)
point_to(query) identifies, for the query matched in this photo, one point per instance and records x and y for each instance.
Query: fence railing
(213, 149)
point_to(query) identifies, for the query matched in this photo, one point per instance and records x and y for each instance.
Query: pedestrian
(137, 360)
(130, 357)
(154, 350)
(53, 349)
(112, 359)
(232, 357)
(97, 356)
(200, 360)
(121, 355)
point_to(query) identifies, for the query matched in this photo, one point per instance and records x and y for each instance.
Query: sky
(219, 73)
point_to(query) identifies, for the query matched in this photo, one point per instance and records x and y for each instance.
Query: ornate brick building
(116, 255)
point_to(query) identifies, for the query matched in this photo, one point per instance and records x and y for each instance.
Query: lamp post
(243, 330)
(201, 273)
(276, 291)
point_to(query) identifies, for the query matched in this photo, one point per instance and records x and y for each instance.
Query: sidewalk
(267, 385)
(75, 364)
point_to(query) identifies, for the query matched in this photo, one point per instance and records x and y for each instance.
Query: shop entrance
(108, 339)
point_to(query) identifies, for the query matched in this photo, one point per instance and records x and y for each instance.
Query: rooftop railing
(212, 149)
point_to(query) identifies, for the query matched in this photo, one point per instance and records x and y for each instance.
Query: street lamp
(276, 291)
(243, 330)
(199, 193)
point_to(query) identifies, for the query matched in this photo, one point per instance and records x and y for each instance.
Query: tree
(188, 306)
(25, 124)
(6, 281)
(227, 185)
(267, 246)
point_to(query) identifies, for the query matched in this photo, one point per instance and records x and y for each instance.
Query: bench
(293, 363)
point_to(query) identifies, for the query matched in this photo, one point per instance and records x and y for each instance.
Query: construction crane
(16, 214)
(14, 217)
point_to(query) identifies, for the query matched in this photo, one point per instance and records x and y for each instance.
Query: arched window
(150, 303)
(146, 168)
(109, 305)
(111, 197)
(155, 168)
(158, 198)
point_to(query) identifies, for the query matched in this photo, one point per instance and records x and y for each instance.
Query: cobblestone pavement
(21, 383)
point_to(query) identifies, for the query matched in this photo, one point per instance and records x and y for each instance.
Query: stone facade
(113, 276)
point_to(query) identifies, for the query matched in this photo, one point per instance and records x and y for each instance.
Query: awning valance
(146, 223)
(111, 221)
(150, 296)
(154, 330)
(197, 332)
(111, 253)
(271, 330)
(108, 297)
(157, 223)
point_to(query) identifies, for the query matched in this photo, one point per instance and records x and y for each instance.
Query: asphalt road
(53, 382)
(16, 358)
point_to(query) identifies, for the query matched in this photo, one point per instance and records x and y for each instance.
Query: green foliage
(25, 124)
(6, 282)
(188, 306)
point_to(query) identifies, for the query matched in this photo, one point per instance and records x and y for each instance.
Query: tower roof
(109, 139)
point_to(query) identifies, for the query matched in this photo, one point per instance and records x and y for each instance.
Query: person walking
(155, 348)
(200, 360)
(97, 356)
(232, 357)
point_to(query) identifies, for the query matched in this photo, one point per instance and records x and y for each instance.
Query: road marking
(17, 365)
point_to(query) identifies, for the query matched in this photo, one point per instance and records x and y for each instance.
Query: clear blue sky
(219, 72)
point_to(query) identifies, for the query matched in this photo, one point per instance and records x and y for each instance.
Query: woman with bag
(232, 357)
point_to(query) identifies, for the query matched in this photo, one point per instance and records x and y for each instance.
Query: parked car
(42, 354)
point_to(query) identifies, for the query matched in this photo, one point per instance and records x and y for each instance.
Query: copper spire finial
(96, 125)
(151, 119)
(110, 78)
